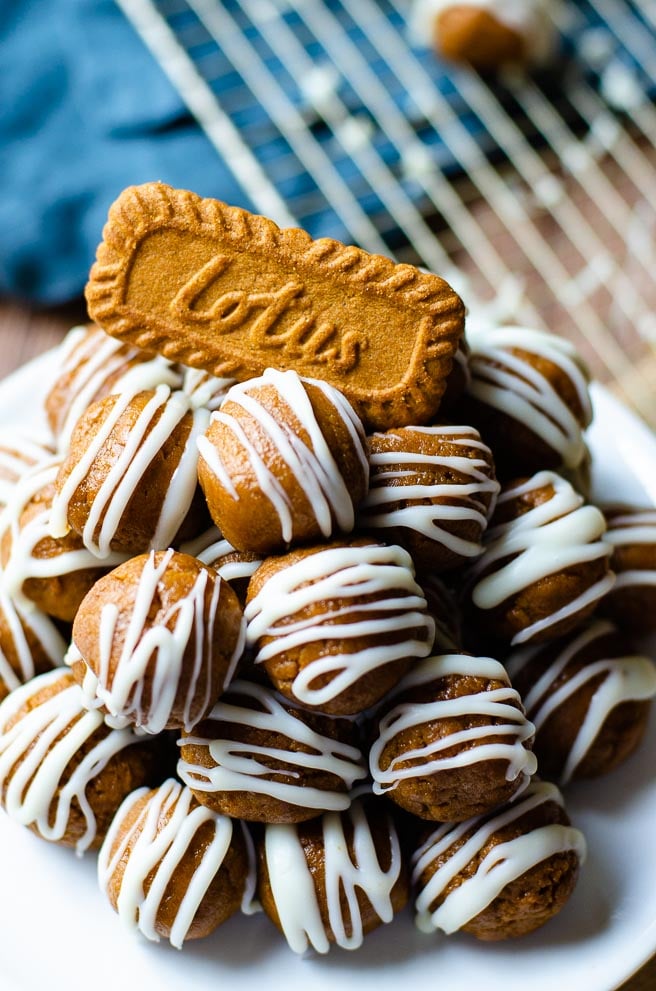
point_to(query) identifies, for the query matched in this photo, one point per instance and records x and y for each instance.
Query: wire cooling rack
(534, 194)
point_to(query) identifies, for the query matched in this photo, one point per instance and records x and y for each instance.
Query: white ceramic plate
(58, 933)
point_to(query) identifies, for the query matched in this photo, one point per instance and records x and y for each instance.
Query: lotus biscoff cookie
(224, 290)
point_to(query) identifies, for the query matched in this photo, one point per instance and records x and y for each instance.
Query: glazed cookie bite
(283, 461)
(431, 490)
(260, 758)
(631, 602)
(170, 867)
(336, 626)
(160, 637)
(529, 397)
(63, 771)
(545, 566)
(129, 479)
(30, 643)
(91, 366)
(334, 879)
(452, 741)
(502, 874)
(589, 696)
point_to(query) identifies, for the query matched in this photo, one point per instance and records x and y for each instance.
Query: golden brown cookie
(218, 288)
(631, 603)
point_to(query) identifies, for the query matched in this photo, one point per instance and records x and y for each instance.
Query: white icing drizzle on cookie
(556, 534)
(19, 454)
(204, 389)
(145, 439)
(629, 677)
(212, 549)
(502, 704)
(17, 618)
(237, 767)
(37, 751)
(334, 580)
(509, 383)
(152, 848)
(158, 649)
(503, 863)
(388, 487)
(293, 888)
(313, 466)
(637, 526)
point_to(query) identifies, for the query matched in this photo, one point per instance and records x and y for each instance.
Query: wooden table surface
(25, 333)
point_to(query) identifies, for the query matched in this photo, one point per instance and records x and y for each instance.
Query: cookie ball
(283, 461)
(431, 490)
(334, 879)
(53, 573)
(336, 626)
(129, 479)
(500, 875)
(63, 772)
(452, 742)
(160, 637)
(235, 567)
(19, 454)
(30, 643)
(589, 696)
(529, 397)
(631, 602)
(171, 868)
(545, 566)
(91, 366)
(258, 757)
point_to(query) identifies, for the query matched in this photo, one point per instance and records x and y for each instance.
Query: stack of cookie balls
(259, 658)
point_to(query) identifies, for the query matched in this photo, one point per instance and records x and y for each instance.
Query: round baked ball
(336, 626)
(54, 573)
(544, 568)
(91, 366)
(63, 772)
(260, 758)
(235, 567)
(500, 875)
(129, 479)
(589, 696)
(631, 602)
(160, 637)
(283, 461)
(30, 643)
(204, 389)
(452, 742)
(431, 490)
(334, 879)
(171, 868)
(19, 453)
(528, 395)
(489, 34)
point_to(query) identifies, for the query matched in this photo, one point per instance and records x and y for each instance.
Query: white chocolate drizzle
(335, 580)
(159, 650)
(504, 862)
(45, 741)
(239, 769)
(555, 535)
(509, 383)
(151, 850)
(204, 389)
(502, 704)
(427, 513)
(637, 526)
(626, 678)
(293, 888)
(19, 454)
(212, 549)
(313, 466)
(17, 618)
(145, 439)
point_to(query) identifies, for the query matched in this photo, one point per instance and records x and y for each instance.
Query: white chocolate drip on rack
(335, 580)
(627, 529)
(313, 466)
(238, 767)
(154, 426)
(36, 754)
(555, 535)
(293, 888)
(394, 480)
(500, 704)
(162, 650)
(503, 863)
(626, 678)
(509, 383)
(152, 847)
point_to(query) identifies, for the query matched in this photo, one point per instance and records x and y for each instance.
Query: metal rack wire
(535, 191)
